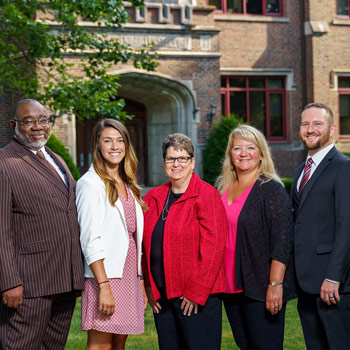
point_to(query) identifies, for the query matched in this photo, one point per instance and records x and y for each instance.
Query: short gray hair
(24, 102)
(179, 142)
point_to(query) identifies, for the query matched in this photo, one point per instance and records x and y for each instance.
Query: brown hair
(328, 110)
(127, 167)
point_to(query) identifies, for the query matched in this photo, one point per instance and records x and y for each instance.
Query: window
(343, 7)
(344, 106)
(259, 101)
(250, 7)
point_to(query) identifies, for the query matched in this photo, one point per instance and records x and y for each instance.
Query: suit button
(54, 195)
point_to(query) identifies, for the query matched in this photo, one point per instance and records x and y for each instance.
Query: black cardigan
(265, 232)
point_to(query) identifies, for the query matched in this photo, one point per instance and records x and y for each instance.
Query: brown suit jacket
(39, 232)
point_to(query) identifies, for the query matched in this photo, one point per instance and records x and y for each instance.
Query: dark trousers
(325, 327)
(38, 324)
(196, 332)
(253, 327)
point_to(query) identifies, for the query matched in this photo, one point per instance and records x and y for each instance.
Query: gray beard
(34, 146)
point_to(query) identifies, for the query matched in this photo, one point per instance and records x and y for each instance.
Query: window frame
(223, 9)
(336, 11)
(268, 91)
(342, 91)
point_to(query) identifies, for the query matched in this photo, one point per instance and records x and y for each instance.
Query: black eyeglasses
(28, 123)
(181, 160)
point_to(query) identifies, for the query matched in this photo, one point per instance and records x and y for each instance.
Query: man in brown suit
(40, 259)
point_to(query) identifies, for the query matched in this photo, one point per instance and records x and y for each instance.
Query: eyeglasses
(181, 160)
(28, 123)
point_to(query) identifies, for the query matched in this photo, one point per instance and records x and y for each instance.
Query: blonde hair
(127, 167)
(266, 171)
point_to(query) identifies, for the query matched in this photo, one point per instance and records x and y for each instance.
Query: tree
(43, 45)
(216, 147)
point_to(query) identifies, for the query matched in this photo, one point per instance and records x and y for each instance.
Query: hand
(13, 297)
(153, 303)
(188, 305)
(330, 292)
(274, 301)
(106, 304)
(145, 298)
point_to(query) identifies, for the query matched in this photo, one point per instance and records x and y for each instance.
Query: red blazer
(194, 241)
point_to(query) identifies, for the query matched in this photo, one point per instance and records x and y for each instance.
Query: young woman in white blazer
(110, 213)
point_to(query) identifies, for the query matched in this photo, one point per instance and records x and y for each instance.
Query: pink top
(233, 210)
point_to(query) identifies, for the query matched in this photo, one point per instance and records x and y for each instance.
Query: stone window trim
(244, 12)
(268, 92)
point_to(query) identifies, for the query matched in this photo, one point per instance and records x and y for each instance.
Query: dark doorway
(137, 131)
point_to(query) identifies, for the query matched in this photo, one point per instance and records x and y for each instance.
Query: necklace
(165, 210)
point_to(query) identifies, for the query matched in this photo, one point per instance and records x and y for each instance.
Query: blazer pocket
(324, 248)
(35, 247)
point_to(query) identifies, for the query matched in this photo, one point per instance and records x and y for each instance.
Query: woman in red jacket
(184, 245)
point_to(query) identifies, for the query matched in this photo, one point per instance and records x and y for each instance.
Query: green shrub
(346, 154)
(57, 146)
(288, 182)
(215, 150)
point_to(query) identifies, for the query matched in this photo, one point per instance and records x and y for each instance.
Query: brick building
(261, 59)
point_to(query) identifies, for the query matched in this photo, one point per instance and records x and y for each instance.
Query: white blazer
(103, 231)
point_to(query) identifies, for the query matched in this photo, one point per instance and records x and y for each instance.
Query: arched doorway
(138, 135)
(169, 106)
(160, 106)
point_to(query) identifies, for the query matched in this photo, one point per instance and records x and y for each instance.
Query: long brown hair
(127, 167)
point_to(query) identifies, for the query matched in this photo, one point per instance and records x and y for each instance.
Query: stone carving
(171, 42)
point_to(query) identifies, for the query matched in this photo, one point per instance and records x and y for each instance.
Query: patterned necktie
(40, 154)
(306, 175)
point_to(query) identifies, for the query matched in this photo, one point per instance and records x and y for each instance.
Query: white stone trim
(187, 54)
(311, 27)
(288, 72)
(341, 22)
(334, 77)
(250, 18)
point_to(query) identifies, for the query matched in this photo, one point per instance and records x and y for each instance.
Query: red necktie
(40, 154)
(306, 175)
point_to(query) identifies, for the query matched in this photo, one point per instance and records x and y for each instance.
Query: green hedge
(215, 150)
(288, 182)
(57, 146)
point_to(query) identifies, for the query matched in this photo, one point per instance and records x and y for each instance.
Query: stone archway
(170, 107)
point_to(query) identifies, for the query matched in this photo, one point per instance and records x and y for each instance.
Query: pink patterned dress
(128, 317)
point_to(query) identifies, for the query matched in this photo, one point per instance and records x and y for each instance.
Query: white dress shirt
(317, 159)
(53, 163)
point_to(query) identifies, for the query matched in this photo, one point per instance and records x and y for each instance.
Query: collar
(318, 157)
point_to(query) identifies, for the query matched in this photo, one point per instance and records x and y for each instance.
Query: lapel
(119, 206)
(31, 159)
(300, 168)
(313, 179)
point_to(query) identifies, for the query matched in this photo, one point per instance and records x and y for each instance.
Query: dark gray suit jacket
(39, 233)
(322, 224)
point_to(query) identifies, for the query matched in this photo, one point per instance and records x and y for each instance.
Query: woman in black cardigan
(259, 266)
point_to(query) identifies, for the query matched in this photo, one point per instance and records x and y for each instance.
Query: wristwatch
(273, 284)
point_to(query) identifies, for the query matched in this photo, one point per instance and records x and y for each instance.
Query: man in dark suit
(40, 259)
(321, 197)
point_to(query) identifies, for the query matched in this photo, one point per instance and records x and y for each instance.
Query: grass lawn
(293, 339)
